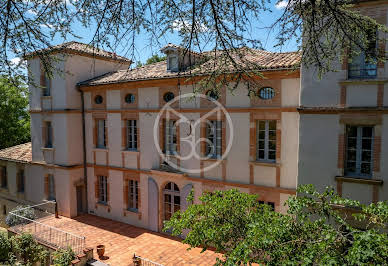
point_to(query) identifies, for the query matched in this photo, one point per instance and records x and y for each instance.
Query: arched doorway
(171, 200)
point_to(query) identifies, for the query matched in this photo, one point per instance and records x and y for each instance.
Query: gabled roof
(19, 153)
(81, 49)
(250, 59)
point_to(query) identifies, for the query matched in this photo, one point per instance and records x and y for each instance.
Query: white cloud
(281, 4)
(16, 61)
(32, 12)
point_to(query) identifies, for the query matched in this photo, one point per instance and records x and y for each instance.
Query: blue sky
(144, 51)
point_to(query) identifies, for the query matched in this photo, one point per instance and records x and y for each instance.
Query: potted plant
(100, 250)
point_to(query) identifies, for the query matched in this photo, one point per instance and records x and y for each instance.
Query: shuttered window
(4, 178)
(49, 135)
(51, 187)
(20, 181)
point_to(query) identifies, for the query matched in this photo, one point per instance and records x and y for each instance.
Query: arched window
(266, 93)
(168, 96)
(172, 200)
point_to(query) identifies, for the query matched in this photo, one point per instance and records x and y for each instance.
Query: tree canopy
(14, 116)
(319, 229)
(321, 28)
(153, 59)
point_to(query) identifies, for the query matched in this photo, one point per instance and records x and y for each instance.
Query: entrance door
(79, 190)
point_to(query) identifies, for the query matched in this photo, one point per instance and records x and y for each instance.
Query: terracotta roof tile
(82, 48)
(249, 58)
(20, 152)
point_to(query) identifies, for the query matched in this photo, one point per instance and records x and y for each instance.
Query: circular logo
(213, 123)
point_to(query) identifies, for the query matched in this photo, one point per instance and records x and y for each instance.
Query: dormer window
(172, 62)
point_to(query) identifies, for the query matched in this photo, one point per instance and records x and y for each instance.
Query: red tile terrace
(122, 241)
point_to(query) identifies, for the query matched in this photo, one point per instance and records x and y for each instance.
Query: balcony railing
(45, 234)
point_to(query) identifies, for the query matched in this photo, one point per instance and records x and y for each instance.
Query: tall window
(133, 195)
(172, 62)
(266, 140)
(101, 135)
(46, 85)
(51, 187)
(364, 64)
(132, 135)
(102, 189)
(4, 179)
(359, 150)
(170, 137)
(49, 135)
(20, 181)
(172, 200)
(214, 137)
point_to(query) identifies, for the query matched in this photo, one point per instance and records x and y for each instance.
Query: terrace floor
(122, 241)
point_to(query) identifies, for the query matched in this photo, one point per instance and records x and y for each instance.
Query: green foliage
(63, 257)
(22, 211)
(153, 59)
(5, 248)
(28, 249)
(14, 116)
(318, 229)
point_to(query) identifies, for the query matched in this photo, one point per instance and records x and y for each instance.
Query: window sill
(4, 189)
(47, 97)
(136, 211)
(370, 81)
(213, 160)
(100, 149)
(132, 213)
(131, 151)
(104, 205)
(264, 163)
(47, 149)
(359, 180)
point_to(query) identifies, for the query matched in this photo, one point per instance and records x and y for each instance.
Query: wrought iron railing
(43, 233)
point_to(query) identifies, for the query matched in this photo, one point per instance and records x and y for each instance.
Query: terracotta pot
(100, 250)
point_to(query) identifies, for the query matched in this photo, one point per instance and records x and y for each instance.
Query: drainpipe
(84, 146)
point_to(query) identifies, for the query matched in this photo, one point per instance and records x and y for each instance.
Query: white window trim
(132, 135)
(266, 142)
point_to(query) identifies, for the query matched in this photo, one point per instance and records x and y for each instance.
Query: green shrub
(63, 257)
(5, 248)
(12, 220)
(28, 249)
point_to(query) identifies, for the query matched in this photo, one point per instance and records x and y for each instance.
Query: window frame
(4, 177)
(46, 86)
(214, 135)
(360, 62)
(170, 137)
(359, 150)
(21, 181)
(98, 144)
(51, 187)
(171, 67)
(133, 195)
(266, 140)
(102, 189)
(172, 192)
(49, 134)
(132, 134)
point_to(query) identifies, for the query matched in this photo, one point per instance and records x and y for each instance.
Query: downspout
(84, 147)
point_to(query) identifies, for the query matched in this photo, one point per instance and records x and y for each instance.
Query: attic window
(266, 93)
(172, 63)
(98, 99)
